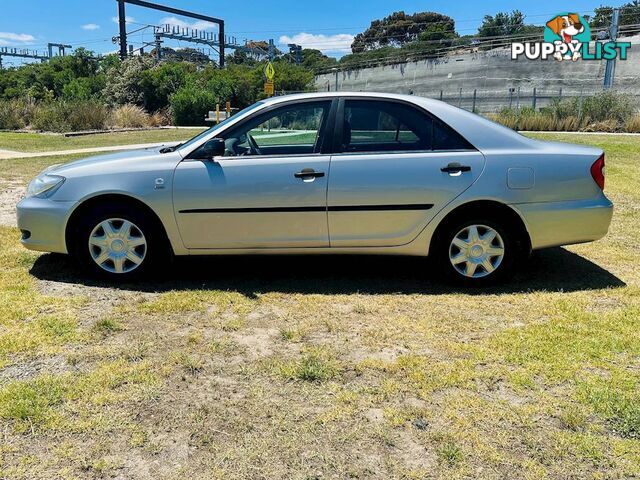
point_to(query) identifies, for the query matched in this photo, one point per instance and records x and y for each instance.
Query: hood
(118, 160)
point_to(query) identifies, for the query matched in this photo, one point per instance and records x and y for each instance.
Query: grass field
(327, 368)
(36, 142)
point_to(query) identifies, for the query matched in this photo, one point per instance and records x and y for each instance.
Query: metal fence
(491, 101)
(484, 101)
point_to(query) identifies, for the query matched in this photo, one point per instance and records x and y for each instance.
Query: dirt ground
(10, 195)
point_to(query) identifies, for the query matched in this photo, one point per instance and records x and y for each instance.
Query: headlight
(44, 185)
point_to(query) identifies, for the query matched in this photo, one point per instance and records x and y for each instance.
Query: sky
(327, 25)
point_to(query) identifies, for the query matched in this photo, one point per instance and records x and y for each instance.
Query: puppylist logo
(567, 37)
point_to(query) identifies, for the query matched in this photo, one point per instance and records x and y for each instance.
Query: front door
(268, 191)
(396, 167)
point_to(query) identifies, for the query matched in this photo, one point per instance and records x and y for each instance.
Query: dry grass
(633, 124)
(328, 368)
(129, 116)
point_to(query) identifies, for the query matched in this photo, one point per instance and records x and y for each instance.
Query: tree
(506, 24)
(316, 60)
(124, 84)
(630, 15)
(399, 29)
(160, 82)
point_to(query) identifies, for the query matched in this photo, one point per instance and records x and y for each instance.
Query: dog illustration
(566, 27)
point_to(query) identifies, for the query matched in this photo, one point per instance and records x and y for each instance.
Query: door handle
(455, 168)
(308, 173)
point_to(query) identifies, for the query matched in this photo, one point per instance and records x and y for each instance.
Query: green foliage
(506, 24)
(190, 105)
(157, 84)
(124, 84)
(316, 365)
(108, 325)
(316, 60)
(43, 81)
(62, 116)
(15, 114)
(68, 93)
(617, 398)
(30, 401)
(449, 453)
(84, 88)
(290, 78)
(605, 111)
(399, 29)
(630, 16)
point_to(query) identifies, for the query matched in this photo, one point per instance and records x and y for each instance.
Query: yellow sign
(270, 72)
(269, 88)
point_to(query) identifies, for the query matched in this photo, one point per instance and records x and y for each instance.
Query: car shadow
(548, 270)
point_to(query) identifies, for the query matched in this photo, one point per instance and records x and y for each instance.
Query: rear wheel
(476, 252)
(117, 244)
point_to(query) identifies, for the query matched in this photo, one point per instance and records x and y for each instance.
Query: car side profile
(326, 173)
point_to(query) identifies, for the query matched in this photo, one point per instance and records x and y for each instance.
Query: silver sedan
(329, 173)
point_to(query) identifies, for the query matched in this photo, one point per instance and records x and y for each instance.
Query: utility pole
(272, 50)
(122, 20)
(295, 51)
(158, 48)
(610, 70)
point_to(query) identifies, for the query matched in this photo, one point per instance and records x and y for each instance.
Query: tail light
(597, 172)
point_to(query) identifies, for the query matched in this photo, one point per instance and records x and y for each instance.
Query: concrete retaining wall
(497, 79)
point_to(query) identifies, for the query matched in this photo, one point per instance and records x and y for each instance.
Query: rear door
(394, 168)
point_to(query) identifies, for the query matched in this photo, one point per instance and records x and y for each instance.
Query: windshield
(209, 131)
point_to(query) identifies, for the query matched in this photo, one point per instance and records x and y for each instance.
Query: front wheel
(476, 252)
(116, 244)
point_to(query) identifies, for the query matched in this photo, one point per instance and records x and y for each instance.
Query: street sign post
(270, 75)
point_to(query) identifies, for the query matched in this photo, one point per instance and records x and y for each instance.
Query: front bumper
(553, 224)
(42, 223)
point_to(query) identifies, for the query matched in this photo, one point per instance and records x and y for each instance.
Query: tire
(118, 243)
(476, 251)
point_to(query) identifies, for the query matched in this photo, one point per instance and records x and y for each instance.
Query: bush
(15, 114)
(604, 112)
(633, 124)
(51, 117)
(608, 105)
(129, 116)
(87, 116)
(62, 116)
(190, 105)
(160, 118)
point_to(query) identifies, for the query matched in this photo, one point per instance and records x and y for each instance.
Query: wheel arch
(110, 198)
(492, 208)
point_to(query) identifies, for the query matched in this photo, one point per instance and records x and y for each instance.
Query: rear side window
(372, 126)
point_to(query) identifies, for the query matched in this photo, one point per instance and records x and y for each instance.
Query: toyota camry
(327, 173)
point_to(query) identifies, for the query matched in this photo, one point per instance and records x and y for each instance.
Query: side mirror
(213, 148)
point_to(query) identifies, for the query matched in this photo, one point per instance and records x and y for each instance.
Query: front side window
(290, 130)
(372, 126)
(217, 127)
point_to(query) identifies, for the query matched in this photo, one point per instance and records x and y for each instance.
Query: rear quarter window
(446, 138)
